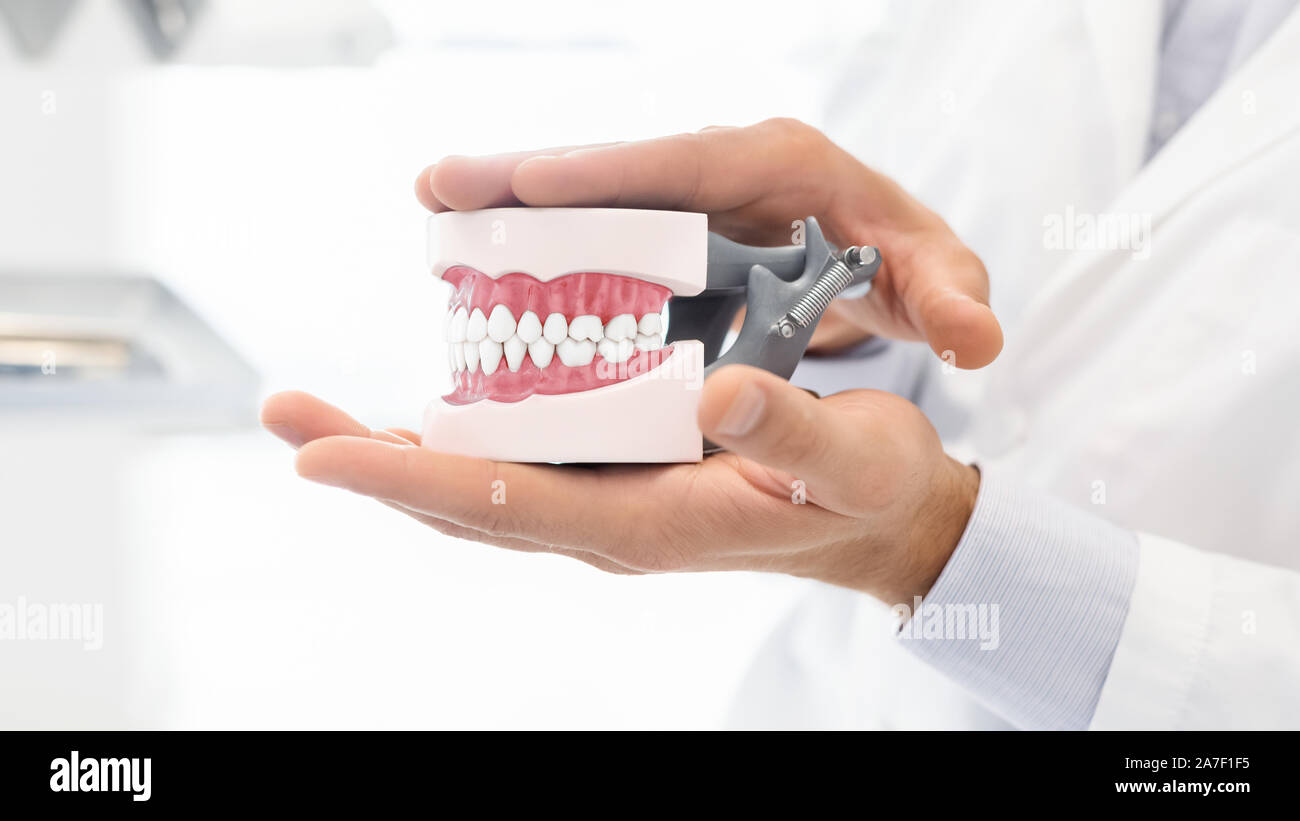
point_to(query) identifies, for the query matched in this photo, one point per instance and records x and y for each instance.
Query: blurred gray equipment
(165, 22)
(35, 23)
(233, 32)
(122, 348)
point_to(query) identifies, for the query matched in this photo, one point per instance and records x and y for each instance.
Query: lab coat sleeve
(1210, 642)
(1048, 588)
(1099, 627)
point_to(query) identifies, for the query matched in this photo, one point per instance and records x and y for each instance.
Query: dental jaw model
(557, 341)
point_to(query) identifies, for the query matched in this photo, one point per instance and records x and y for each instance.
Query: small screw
(856, 256)
(785, 328)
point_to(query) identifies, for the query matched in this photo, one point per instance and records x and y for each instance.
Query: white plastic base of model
(649, 418)
(668, 248)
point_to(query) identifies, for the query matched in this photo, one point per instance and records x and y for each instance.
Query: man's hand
(853, 489)
(753, 183)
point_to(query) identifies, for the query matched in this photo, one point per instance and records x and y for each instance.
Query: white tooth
(530, 328)
(489, 355)
(476, 329)
(650, 324)
(615, 350)
(456, 330)
(557, 328)
(515, 350)
(648, 342)
(622, 326)
(575, 353)
(501, 324)
(541, 352)
(586, 326)
(446, 325)
(471, 355)
(458, 351)
(451, 360)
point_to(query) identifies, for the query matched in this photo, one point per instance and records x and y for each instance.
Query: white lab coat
(1162, 393)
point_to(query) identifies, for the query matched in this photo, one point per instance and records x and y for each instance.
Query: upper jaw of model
(555, 334)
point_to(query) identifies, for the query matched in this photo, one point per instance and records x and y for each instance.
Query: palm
(622, 518)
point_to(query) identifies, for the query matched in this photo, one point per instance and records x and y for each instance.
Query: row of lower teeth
(476, 340)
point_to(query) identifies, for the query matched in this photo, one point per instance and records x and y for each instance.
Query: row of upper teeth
(478, 340)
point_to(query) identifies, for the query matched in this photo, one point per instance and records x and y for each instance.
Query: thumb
(945, 291)
(760, 416)
(961, 329)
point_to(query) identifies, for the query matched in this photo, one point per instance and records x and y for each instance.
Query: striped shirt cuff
(1028, 611)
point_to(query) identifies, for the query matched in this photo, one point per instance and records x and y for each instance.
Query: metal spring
(812, 304)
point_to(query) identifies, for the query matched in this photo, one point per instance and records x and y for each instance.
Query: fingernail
(286, 432)
(744, 413)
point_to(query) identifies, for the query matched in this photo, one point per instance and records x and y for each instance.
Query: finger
(299, 418)
(424, 191)
(586, 509)
(464, 183)
(713, 170)
(761, 417)
(947, 295)
(935, 289)
(960, 330)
